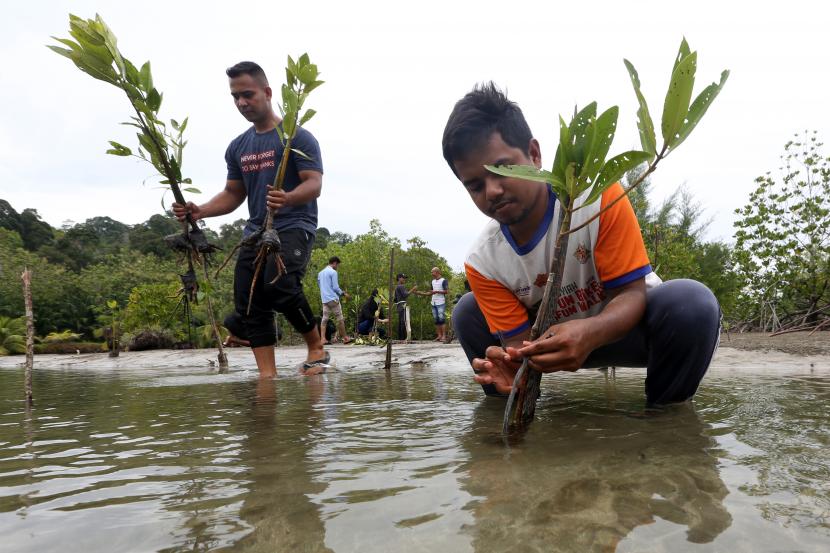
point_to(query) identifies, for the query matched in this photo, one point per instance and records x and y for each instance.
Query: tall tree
(783, 236)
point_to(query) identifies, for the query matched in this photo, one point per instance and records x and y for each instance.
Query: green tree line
(774, 277)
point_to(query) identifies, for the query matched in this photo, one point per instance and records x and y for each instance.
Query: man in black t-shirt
(252, 159)
(401, 293)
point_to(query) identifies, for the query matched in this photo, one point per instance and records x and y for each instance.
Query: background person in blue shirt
(330, 294)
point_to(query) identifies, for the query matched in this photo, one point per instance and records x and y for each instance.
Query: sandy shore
(747, 351)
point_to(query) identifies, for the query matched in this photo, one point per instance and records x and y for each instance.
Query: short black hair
(334, 259)
(475, 117)
(247, 68)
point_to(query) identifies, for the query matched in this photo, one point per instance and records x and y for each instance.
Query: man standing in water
(252, 159)
(330, 294)
(612, 310)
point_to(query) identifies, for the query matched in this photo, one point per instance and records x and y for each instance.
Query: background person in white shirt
(440, 289)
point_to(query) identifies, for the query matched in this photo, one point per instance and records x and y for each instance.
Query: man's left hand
(276, 198)
(563, 347)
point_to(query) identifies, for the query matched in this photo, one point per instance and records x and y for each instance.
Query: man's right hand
(498, 368)
(181, 211)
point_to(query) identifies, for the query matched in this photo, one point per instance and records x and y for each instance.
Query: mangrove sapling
(115, 337)
(301, 79)
(580, 175)
(95, 52)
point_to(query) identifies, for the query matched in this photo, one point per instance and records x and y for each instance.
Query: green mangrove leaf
(154, 100)
(570, 181)
(644, 123)
(303, 61)
(290, 78)
(306, 116)
(300, 153)
(312, 86)
(74, 46)
(602, 135)
(308, 74)
(614, 170)
(119, 149)
(564, 145)
(526, 172)
(146, 77)
(682, 53)
(676, 106)
(112, 304)
(193, 190)
(578, 132)
(699, 107)
(133, 75)
(289, 124)
(188, 180)
(79, 27)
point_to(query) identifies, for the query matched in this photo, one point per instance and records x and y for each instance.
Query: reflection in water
(586, 475)
(363, 460)
(276, 506)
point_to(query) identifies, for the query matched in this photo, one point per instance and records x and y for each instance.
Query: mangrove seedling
(580, 175)
(301, 79)
(115, 339)
(94, 51)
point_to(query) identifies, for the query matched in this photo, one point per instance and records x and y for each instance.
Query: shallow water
(356, 460)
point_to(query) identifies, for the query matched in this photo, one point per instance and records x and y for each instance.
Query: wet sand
(746, 351)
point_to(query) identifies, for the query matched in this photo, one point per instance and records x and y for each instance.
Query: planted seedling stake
(581, 174)
(30, 336)
(301, 77)
(95, 52)
(388, 364)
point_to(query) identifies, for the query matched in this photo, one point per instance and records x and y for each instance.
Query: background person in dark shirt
(252, 159)
(401, 293)
(369, 312)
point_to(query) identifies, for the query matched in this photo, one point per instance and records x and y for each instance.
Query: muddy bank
(796, 343)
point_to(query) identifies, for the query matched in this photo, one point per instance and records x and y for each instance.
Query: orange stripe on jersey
(619, 248)
(502, 309)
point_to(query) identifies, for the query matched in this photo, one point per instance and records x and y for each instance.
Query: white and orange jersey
(508, 279)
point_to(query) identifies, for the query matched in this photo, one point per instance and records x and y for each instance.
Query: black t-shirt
(367, 311)
(253, 158)
(401, 293)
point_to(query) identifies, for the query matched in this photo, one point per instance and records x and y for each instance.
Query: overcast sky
(393, 71)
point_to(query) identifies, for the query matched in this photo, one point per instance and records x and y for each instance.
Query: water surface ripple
(358, 460)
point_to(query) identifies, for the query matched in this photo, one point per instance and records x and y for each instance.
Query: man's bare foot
(314, 371)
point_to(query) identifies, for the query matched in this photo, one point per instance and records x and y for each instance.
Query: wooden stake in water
(30, 334)
(388, 365)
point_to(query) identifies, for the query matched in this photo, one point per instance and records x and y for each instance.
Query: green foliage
(154, 306)
(94, 51)
(673, 235)
(783, 235)
(59, 337)
(365, 266)
(580, 164)
(12, 335)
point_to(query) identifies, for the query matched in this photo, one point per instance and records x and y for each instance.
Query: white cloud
(393, 72)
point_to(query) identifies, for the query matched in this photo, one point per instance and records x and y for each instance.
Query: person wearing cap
(401, 293)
